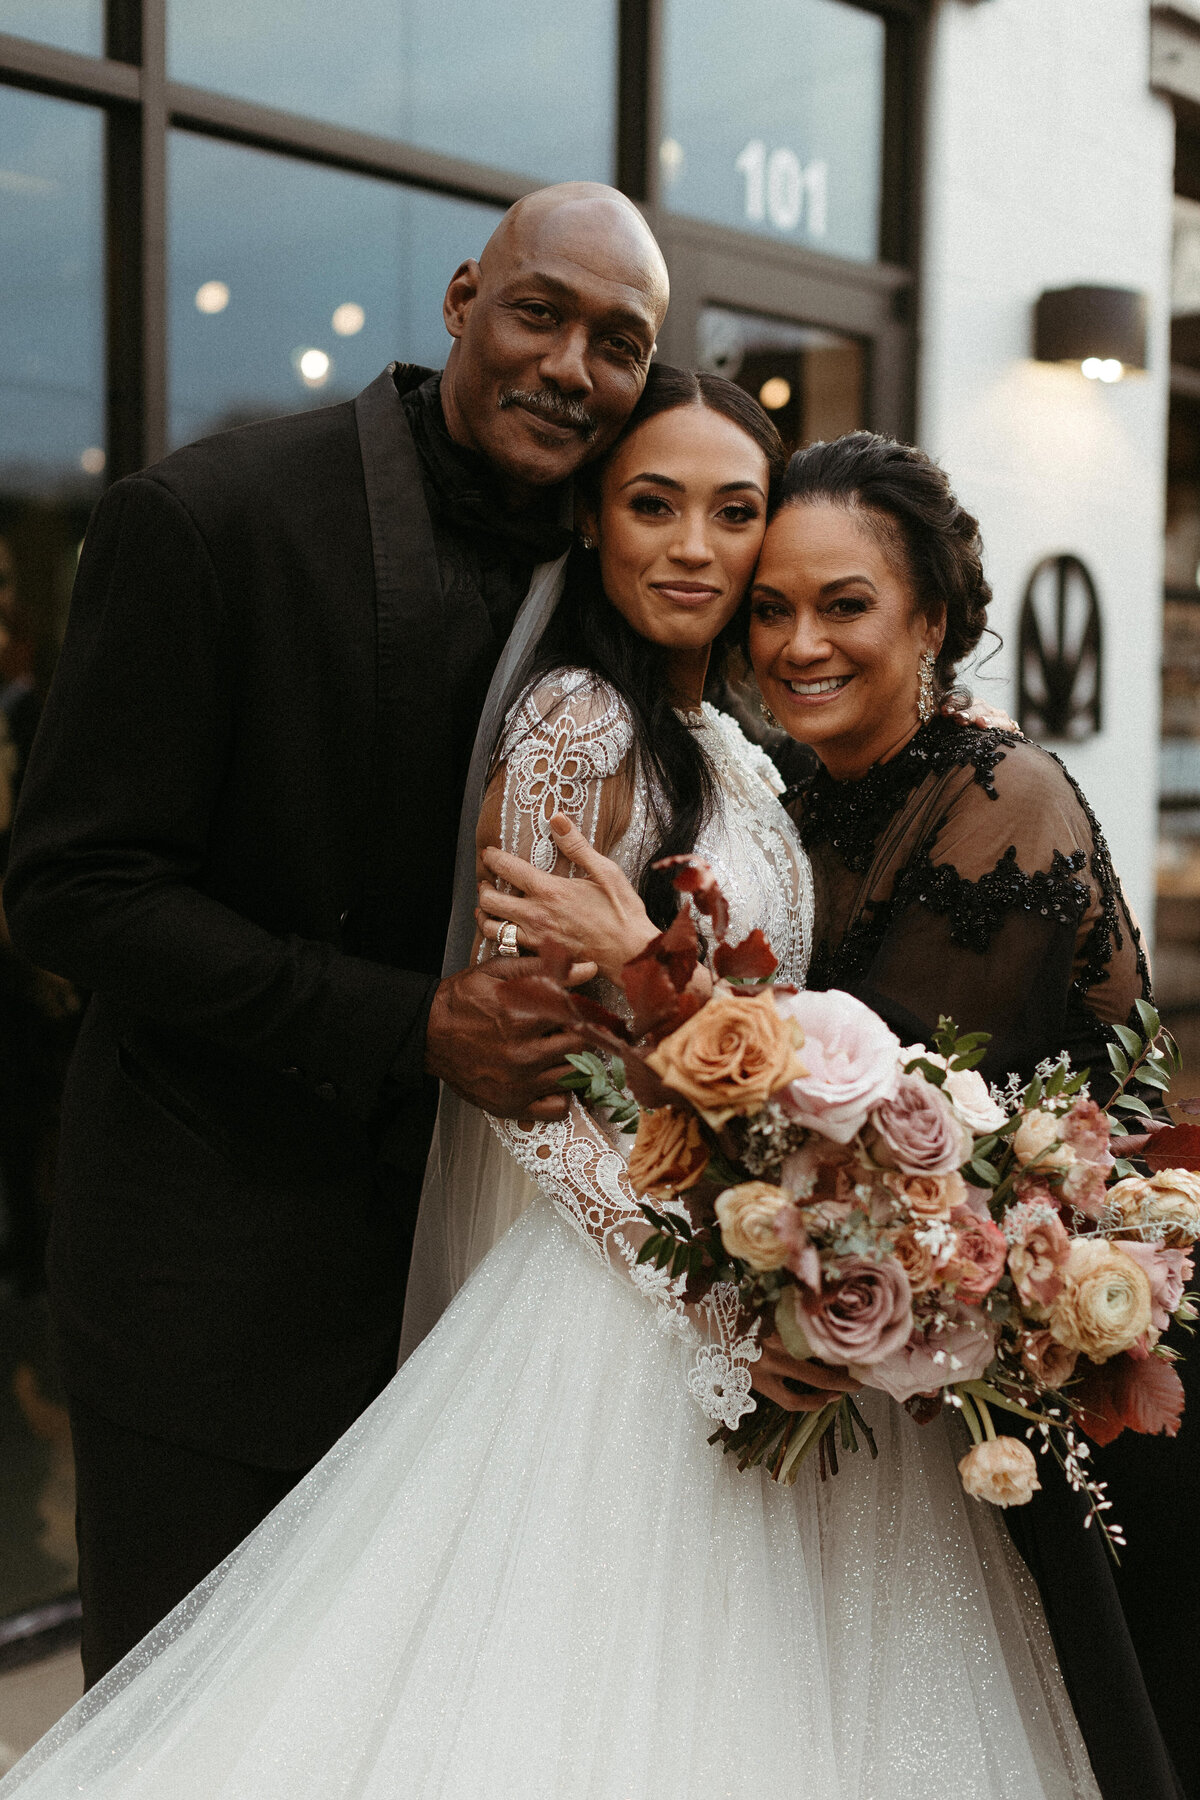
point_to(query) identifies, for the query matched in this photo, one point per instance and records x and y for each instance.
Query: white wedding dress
(524, 1574)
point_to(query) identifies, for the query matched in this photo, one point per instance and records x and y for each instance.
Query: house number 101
(779, 188)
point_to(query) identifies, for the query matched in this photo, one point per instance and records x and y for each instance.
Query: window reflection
(51, 471)
(68, 24)
(536, 93)
(304, 290)
(810, 380)
(773, 119)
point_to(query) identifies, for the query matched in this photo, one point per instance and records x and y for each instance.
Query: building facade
(212, 212)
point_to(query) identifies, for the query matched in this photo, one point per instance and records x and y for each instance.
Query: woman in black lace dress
(960, 872)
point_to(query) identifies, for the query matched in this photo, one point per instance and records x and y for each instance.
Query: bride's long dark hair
(587, 632)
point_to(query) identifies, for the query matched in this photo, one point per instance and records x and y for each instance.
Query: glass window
(67, 24)
(810, 380)
(536, 93)
(773, 119)
(302, 291)
(51, 469)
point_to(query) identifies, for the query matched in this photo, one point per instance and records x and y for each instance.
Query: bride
(524, 1573)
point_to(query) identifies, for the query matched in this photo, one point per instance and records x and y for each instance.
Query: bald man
(237, 833)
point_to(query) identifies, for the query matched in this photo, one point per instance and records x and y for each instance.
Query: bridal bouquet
(877, 1207)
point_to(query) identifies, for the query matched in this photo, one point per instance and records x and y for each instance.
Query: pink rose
(851, 1061)
(979, 1256)
(1039, 1247)
(916, 1130)
(1169, 1271)
(1084, 1188)
(1085, 1128)
(952, 1345)
(862, 1313)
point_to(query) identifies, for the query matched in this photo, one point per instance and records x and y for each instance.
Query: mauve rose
(1086, 1129)
(861, 1314)
(851, 1062)
(1169, 1271)
(954, 1345)
(979, 1256)
(1038, 1254)
(917, 1131)
(1044, 1359)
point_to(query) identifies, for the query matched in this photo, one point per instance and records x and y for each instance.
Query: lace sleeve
(566, 749)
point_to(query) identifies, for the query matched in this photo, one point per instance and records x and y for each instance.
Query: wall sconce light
(1102, 330)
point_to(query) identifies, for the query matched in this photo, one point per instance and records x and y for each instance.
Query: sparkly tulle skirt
(524, 1574)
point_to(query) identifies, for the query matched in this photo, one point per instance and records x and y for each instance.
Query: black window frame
(130, 84)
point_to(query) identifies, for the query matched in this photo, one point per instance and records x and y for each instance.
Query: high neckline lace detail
(851, 814)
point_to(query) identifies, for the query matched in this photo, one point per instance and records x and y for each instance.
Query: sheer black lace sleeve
(969, 877)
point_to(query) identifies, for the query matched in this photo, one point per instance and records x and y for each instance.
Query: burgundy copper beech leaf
(751, 960)
(1178, 1147)
(693, 876)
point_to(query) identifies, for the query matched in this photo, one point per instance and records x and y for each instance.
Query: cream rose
(1002, 1471)
(1034, 1137)
(1166, 1206)
(1104, 1306)
(969, 1095)
(669, 1154)
(731, 1056)
(749, 1217)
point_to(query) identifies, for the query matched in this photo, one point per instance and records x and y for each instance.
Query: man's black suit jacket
(237, 831)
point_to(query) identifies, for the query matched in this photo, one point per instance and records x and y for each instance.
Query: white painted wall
(1049, 164)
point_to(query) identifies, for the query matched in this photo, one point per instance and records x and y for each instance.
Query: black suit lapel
(415, 763)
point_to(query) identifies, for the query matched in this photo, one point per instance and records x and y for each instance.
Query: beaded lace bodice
(567, 747)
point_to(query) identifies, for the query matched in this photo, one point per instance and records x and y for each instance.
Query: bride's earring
(925, 698)
(587, 542)
(766, 712)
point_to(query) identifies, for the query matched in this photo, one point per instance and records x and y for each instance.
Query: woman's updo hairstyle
(908, 505)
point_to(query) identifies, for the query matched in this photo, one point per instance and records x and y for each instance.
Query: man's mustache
(554, 407)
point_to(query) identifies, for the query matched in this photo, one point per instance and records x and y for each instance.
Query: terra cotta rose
(669, 1153)
(729, 1057)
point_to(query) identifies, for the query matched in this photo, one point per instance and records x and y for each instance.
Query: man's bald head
(554, 327)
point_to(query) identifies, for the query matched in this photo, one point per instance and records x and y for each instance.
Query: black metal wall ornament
(1060, 651)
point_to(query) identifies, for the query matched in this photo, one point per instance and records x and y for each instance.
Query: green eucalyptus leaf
(1151, 1022)
(1118, 1059)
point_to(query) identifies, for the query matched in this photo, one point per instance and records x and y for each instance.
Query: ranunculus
(1086, 1129)
(851, 1062)
(916, 1130)
(1000, 1470)
(970, 1096)
(749, 1217)
(1104, 1306)
(1036, 1137)
(956, 1344)
(1169, 1271)
(1044, 1359)
(729, 1057)
(1145, 1395)
(979, 1257)
(669, 1154)
(1037, 1256)
(862, 1312)
(1165, 1206)
(927, 1196)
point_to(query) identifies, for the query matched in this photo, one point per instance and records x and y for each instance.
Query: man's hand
(775, 1371)
(505, 1066)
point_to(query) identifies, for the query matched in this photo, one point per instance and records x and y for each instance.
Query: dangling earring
(925, 706)
(587, 542)
(766, 712)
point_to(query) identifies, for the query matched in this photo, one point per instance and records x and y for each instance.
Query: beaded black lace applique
(851, 815)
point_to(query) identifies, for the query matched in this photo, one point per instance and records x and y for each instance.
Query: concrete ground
(32, 1698)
